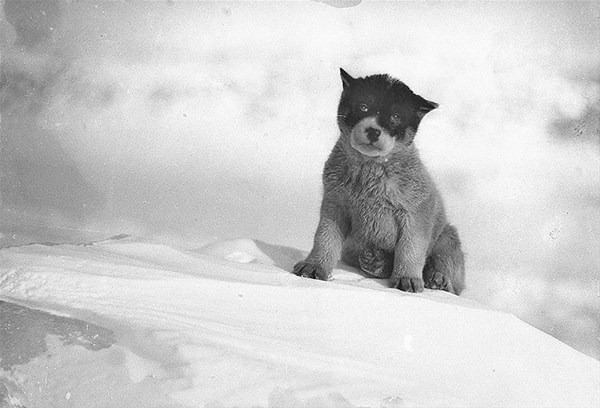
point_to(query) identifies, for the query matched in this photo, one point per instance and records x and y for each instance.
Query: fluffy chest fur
(374, 204)
(378, 196)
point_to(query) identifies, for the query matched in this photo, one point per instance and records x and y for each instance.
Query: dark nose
(373, 134)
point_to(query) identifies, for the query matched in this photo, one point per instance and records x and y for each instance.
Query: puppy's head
(379, 114)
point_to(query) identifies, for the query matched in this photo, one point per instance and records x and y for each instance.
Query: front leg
(333, 228)
(409, 257)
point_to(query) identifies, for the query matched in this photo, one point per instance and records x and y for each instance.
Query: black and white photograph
(299, 204)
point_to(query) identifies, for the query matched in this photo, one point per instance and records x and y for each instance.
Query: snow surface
(197, 121)
(228, 325)
(188, 122)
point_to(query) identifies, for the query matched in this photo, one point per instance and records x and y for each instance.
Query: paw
(407, 284)
(372, 262)
(311, 270)
(439, 281)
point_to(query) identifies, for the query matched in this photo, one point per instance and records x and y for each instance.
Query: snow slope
(228, 325)
(186, 117)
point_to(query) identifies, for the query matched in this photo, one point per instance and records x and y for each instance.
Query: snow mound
(228, 325)
(253, 251)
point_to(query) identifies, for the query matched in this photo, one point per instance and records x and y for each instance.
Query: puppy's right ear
(346, 78)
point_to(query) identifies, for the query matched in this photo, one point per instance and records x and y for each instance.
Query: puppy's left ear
(423, 106)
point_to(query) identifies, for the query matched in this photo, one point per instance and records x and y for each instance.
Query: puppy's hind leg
(374, 262)
(445, 266)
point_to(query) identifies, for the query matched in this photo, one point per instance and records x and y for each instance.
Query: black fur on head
(396, 108)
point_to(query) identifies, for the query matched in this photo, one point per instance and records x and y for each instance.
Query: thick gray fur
(386, 217)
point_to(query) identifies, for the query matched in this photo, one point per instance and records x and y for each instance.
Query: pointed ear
(346, 78)
(423, 106)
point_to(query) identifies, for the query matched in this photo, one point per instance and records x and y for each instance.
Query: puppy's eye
(396, 116)
(363, 107)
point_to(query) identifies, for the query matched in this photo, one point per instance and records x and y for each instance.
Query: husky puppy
(381, 211)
